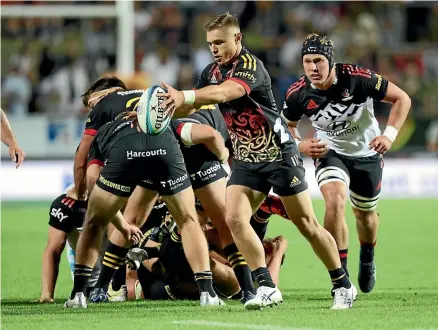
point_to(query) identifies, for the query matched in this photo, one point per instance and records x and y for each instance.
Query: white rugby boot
(265, 296)
(208, 301)
(78, 301)
(119, 295)
(343, 298)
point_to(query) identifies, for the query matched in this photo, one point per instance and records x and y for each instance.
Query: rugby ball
(151, 117)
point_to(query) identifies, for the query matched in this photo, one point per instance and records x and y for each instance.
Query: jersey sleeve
(95, 121)
(248, 72)
(292, 110)
(203, 79)
(371, 83)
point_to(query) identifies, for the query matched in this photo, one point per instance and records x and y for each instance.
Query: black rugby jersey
(257, 131)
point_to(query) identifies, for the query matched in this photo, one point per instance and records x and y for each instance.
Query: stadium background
(48, 61)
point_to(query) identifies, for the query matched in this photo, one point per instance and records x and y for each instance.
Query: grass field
(405, 296)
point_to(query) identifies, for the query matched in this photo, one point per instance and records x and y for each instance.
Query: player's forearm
(274, 266)
(7, 136)
(80, 170)
(50, 272)
(399, 112)
(212, 95)
(119, 221)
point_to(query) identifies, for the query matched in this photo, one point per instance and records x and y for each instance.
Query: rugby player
(66, 217)
(348, 146)
(156, 164)
(264, 156)
(8, 138)
(204, 137)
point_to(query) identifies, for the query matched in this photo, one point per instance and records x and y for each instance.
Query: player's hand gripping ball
(152, 118)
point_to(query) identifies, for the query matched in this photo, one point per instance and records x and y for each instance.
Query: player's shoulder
(296, 91)
(121, 98)
(209, 72)
(249, 59)
(352, 71)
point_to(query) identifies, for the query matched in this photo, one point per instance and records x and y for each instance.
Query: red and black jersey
(110, 107)
(257, 131)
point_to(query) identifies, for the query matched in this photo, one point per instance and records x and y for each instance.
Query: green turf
(405, 296)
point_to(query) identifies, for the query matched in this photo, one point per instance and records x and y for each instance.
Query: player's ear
(238, 37)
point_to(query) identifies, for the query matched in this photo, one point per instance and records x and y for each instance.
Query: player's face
(223, 44)
(316, 68)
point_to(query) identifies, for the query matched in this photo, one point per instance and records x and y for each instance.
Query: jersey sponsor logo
(346, 95)
(114, 185)
(379, 82)
(143, 154)
(57, 213)
(335, 111)
(131, 92)
(343, 132)
(311, 105)
(247, 76)
(118, 128)
(208, 173)
(89, 120)
(339, 125)
(208, 107)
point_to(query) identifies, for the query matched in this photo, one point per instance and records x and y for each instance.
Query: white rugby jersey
(343, 115)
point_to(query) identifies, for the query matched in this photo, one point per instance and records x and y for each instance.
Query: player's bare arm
(80, 166)
(227, 91)
(311, 147)
(129, 232)
(401, 104)
(51, 259)
(8, 138)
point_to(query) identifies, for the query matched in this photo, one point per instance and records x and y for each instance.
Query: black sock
(240, 267)
(205, 282)
(114, 258)
(366, 252)
(82, 275)
(263, 277)
(343, 255)
(259, 222)
(146, 278)
(175, 236)
(339, 278)
(119, 278)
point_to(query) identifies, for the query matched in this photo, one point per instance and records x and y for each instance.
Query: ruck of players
(160, 216)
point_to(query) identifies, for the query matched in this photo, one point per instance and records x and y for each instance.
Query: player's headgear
(316, 44)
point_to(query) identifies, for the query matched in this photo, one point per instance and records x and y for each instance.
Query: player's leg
(212, 199)
(366, 179)
(225, 281)
(102, 206)
(139, 205)
(288, 179)
(333, 179)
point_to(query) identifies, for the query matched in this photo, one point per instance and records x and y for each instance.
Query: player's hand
(132, 115)
(132, 233)
(173, 99)
(381, 144)
(313, 148)
(17, 155)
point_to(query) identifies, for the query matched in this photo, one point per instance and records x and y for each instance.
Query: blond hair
(222, 21)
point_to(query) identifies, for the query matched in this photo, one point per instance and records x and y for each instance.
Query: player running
(264, 156)
(155, 163)
(348, 145)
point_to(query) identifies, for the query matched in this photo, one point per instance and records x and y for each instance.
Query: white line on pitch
(237, 325)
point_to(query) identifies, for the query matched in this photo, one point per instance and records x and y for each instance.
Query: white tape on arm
(391, 133)
(186, 134)
(189, 97)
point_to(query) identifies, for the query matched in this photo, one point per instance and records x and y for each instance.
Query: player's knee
(93, 226)
(367, 218)
(186, 219)
(234, 222)
(335, 201)
(308, 226)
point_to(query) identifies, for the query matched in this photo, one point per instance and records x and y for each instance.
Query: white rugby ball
(151, 117)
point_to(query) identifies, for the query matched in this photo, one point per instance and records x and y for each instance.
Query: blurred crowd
(47, 63)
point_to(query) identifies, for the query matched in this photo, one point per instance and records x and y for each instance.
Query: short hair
(222, 21)
(100, 85)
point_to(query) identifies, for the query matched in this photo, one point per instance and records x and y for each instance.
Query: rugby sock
(205, 282)
(263, 277)
(114, 258)
(240, 267)
(81, 276)
(343, 255)
(175, 236)
(119, 278)
(367, 252)
(339, 278)
(146, 279)
(259, 222)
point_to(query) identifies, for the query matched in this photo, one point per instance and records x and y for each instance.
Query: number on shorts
(131, 101)
(278, 127)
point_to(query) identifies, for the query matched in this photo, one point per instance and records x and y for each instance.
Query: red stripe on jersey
(95, 161)
(63, 200)
(90, 131)
(296, 86)
(179, 128)
(356, 71)
(242, 83)
(72, 203)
